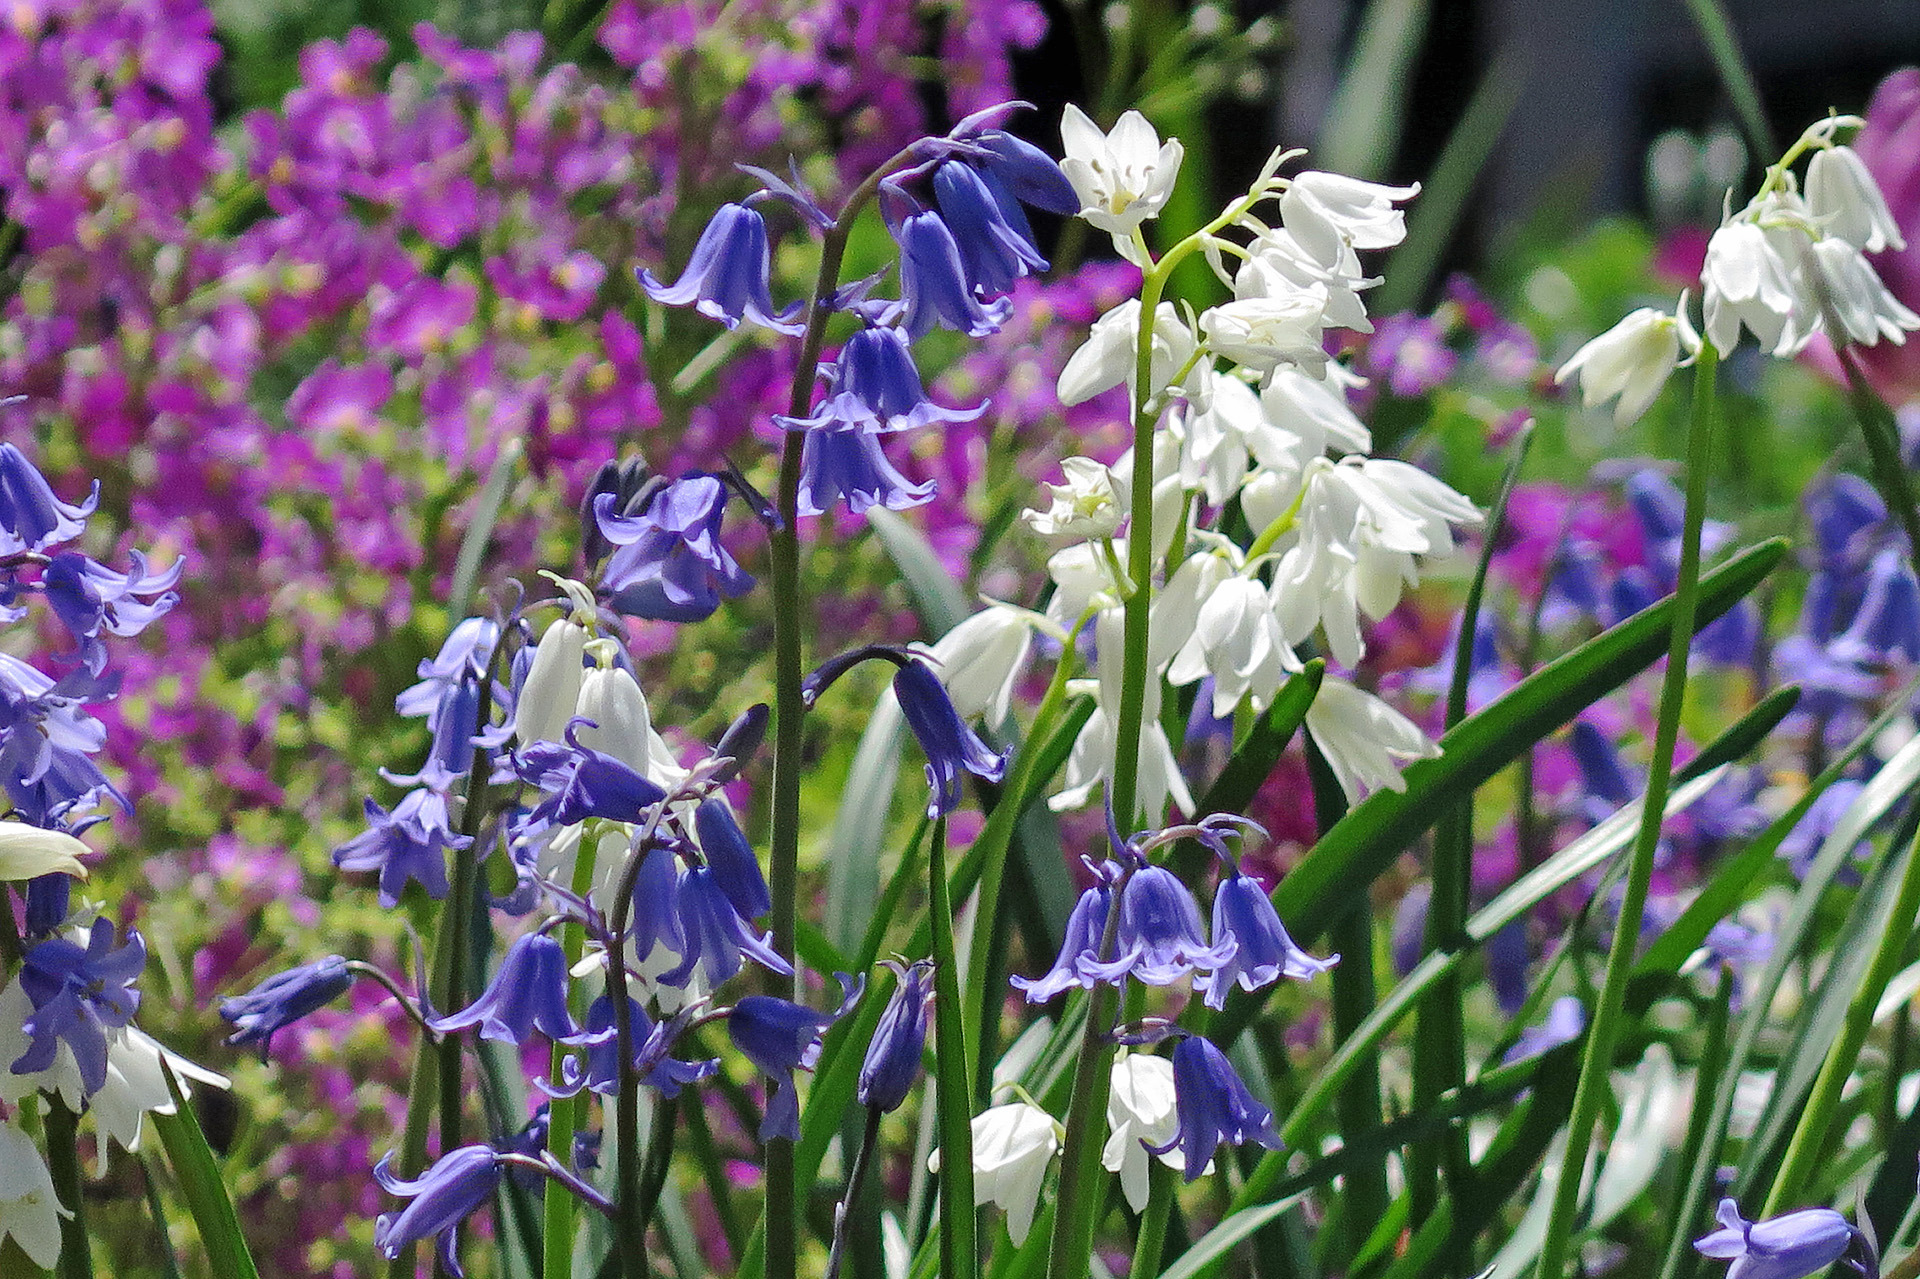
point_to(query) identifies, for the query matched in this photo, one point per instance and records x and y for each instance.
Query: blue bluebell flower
(1802, 844)
(996, 244)
(443, 1196)
(1888, 619)
(528, 993)
(731, 859)
(283, 999)
(1159, 938)
(31, 517)
(655, 917)
(729, 276)
(579, 782)
(1213, 1106)
(1024, 172)
(1793, 1246)
(409, 843)
(1507, 961)
(1261, 951)
(716, 937)
(46, 740)
(874, 386)
(49, 898)
(1841, 511)
(951, 747)
(849, 463)
(668, 563)
(933, 281)
(651, 1044)
(780, 1037)
(1603, 777)
(1563, 1023)
(448, 696)
(78, 994)
(88, 596)
(893, 1055)
(1080, 952)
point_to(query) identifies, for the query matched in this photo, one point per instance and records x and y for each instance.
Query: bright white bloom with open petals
(1280, 265)
(1313, 587)
(1123, 177)
(1107, 358)
(1215, 442)
(1854, 296)
(1315, 411)
(135, 1086)
(1748, 283)
(1631, 360)
(1140, 1109)
(981, 659)
(1012, 1146)
(1847, 202)
(1266, 332)
(30, 1212)
(1085, 507)
(27, 851)
(1364, 740)
(1329, 214)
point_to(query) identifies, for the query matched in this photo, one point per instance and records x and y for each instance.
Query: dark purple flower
(1213, 1106)
(731, 859)
(529, 993)
(1261, 952)
(283, 999)
(448, 695)
(1507, 966)
(31, 517)
(780, 1037)
(875, 387)
(729, 276)
(996, 244)
(1888, 619)
(1159, 937)
(933, 281)
(1840, 510)
(668, 563)
(655, 920)
(1794, 1246)
(443, 1196)
(893, 1055)
(1027, 173)
(951, 746)
(716, 936)
(1080, 952)
(46, 740)
(657, 1069)
(580, 782)
(849, 464)
(411, 842)
(87, 596)
(78, 994)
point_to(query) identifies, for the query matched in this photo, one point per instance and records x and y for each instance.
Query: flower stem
(63, 1162)
(563, 1113)
(953, 1082)
(856, 1181)
(1604, 1033)
(1151, 1240)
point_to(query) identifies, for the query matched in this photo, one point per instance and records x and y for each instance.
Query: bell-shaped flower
(780, 1037)
(1632, 360)
(1024, 172)
(1079, 961)
(981, 659)
(1851, 293)
(951, 747)
(876, 388)
(934, 284)
(1281, 265)
(716, 936)
(89, 597)
(551, 690)
(1747, 283)
(602, 1042)
(46, 740)
(28, 852)
(1159, 938)
(30, 1210)
(1563, 1023)
(443, 1196)
(1364, 740)
(580, 782)
(619, 721)
(528, 993)
(1012, 1147)
(729, 276)
(78, 994)
(1123, 177)
(668, 563)
(655, 918)
(1888, 619)
(31, 517)
(731, 858)
(1846, 201)
(1330, 214)
(892, 1062)
(846, 462)
(1213, 1106)
(410, 843)
(1266, 332)
(1084, 508)
(996, 244)
(1315, 412)
(136, 1086)
(1141, 1114)
(1243, 917)
(1107, 358)
(448, 696)
(283, 999)
(1794, 1246)
(1236, 640)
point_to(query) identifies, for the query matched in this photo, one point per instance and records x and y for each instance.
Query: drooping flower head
(528, 993)
(1793, 1246)
(668, 563)
(875, 387)
(283, 999)
(31, 517)
(409, 843)
(893, 1055)
(729, 276)
(78, 994)
(1213, 1105)
(779, 1037)
(443, 1196)
(1243, 917)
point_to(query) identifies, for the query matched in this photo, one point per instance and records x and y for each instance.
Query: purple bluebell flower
(893, 1055)
(668, 563)
(1409, 936)
(716, 936)
(651, 1042)
(283, 999)
(1793, 1246)
(78, 994)
(1507, 966)
(1258, 948)
(46, 740)
(31, 517)
(933, 281)
(729, 276)
(1080, 952)
(623, 482)
(1213, 1106)
(1579, 577)
(528, 993)
(1802, 844)
(1603, 777)
(87, 596)
(996, 244)
(580, 782)
(1159, 939)
(849, 463)
(950, 745)
(875, 387)
(655, 918)
(780, 1037)
(1888, 619)
(443, 1196)
(1840, 510)
(49, 897)
(1025, 172)
(1563, 1023)
(448, 696)
(410, 843)
(731, 859)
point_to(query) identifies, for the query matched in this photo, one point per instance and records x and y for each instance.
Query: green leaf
(201, 1186)
(860, 826)
(1369, 109)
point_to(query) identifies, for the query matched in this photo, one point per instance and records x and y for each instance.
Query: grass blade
(201, 1186)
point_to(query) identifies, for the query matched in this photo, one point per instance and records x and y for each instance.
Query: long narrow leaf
(201, 1185)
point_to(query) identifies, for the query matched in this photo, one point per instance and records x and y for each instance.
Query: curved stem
(1604, 1034)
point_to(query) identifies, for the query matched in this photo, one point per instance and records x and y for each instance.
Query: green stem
(563, 1113)
(63, 1161)
(1151, 1241)
(1604, 1034)
(1810, 1135)
(953, 1080)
